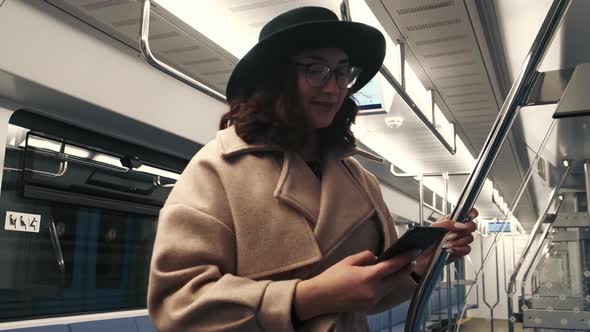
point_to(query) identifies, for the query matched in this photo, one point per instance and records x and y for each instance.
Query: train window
(80, 225)
(438, 202)
(582, 202)
(429, 198)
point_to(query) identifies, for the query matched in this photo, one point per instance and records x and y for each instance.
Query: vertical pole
(587, 176)
(504, 260)
(448, 267)
(421, 220)
(497, 290)
(433, 108)
(402, 53)
(449, 299)
(445, 177)
(421, 207)
(483, 271)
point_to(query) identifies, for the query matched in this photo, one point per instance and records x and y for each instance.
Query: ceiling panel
(437, 31)
(171, 40)
(453, 63)
(447, 56)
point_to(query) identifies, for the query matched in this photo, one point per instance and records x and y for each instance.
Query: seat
(110, 325)
(381, 321)
(144, 324)
(52, 328)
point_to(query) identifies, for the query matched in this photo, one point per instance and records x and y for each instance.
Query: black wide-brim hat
(305, 28)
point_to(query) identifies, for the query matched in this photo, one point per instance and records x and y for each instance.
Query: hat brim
(364, 45)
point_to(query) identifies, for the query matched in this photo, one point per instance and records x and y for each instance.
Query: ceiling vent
(201, 61)
(433, 25)
(478, 101)
(441, 40)
(181, 49)
(459, 86)
(426, 7)
(126, 22)
(468, 94)
(448, 53)
(104, 4)
(259, 5)
(446, 77)
(452, 65)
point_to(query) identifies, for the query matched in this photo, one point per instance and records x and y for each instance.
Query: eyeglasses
(319, 74)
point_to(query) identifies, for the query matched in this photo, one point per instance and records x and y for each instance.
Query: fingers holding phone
(393, 265)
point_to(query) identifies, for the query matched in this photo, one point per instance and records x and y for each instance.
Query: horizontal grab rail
(146, 52)
(400, 88)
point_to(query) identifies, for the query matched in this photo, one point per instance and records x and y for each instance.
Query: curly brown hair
(270, 113)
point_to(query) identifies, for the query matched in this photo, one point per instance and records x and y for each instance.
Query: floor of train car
(481, 324)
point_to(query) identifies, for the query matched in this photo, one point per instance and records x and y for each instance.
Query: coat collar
(230, 145)
(334, 207)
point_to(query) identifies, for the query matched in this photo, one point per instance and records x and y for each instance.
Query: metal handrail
(63, 165)
(510, 291)
(544, 255)
(433, 174)
(400, 88)
(540, 245)
(489, 152)
(483, 283)
(64, 158)
(402, 93)
(146, 52)
(587, 176)
(56, 246)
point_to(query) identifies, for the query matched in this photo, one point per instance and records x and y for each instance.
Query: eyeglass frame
(331, 73)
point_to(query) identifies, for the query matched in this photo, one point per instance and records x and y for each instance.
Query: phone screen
(419, 238)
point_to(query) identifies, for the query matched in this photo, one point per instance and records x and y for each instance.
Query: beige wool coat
(246, 222)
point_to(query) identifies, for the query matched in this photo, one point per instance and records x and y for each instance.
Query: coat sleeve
(403, 290)
(406, 286)
(192, 284)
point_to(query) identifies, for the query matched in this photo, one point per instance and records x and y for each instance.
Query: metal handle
(587, 177)
(158, 183)
(63, 165)
(146, 52)
(544, 256)
(401, 90)
(56, 246)
(510, 290)
(412, 105)
(483, 283)
(490, 150)
(408, 175)
(540, 245)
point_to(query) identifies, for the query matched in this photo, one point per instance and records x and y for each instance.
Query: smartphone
(418, 238)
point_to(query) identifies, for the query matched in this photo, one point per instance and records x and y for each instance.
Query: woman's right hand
(353, 284)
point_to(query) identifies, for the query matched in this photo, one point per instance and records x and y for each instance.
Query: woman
(273, 226)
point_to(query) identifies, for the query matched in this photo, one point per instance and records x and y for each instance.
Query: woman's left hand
(458, 240)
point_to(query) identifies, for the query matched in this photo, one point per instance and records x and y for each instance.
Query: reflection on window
(104, 216)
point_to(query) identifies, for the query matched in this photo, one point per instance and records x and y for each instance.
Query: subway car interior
(479, 103)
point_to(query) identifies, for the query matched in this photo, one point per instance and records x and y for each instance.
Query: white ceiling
(236, 23)
(519, 21)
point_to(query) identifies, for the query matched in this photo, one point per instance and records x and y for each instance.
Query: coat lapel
(335, 206)
(344, 205)
(298, 187)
